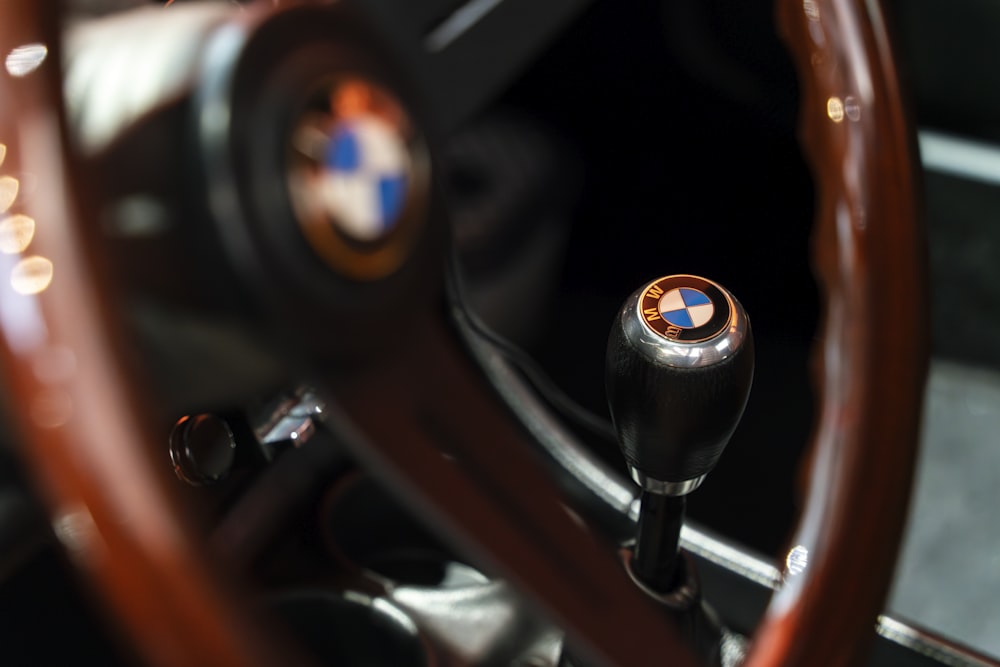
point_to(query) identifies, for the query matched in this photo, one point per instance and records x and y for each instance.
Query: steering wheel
(419, 415)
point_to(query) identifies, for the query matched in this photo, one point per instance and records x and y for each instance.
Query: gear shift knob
(679, 367)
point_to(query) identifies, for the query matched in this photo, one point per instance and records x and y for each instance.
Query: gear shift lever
(679, 368)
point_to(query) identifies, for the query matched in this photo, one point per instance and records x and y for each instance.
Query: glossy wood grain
(870, 364)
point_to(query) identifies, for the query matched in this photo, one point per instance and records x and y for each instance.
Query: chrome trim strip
(458, 23)
(757, 569)
(947, 154)
(732, 558)
(928, 645)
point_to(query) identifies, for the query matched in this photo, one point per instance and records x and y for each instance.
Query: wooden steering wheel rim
(77, 411)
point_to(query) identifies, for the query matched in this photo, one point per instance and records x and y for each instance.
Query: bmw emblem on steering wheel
(357, 177)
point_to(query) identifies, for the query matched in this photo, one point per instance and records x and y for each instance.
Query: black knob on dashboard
(679, 368)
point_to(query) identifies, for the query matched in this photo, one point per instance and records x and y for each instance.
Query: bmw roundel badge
(685, 309)
(357, 177)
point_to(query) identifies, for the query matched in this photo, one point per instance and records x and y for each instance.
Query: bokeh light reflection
(852, 108)
(16, 233)
(24, 60)
(796, 561)
(32, 275)
(835, 109)
(9, 187)
(811, 9)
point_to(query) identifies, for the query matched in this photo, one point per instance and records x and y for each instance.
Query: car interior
(345, 435)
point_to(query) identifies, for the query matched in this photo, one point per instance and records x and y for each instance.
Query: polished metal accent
(294, 429)
(665, 488)
(736, 559)
(310, 404)
(290, 421)
(684, 355)
(928, 645)
(202, 449)
(458, 23)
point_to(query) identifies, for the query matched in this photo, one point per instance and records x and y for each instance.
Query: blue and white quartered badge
(686, 307)
(363, 179)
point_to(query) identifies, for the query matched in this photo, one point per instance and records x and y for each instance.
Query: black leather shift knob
(679, 368)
